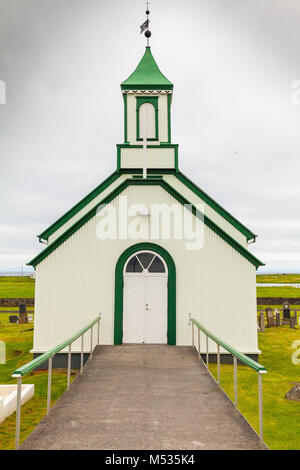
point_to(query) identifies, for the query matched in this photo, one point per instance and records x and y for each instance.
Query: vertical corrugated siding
(163, 118)
(131, 118)
(76, 282)
(209, 211)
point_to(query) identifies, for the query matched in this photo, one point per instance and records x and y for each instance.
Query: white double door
(145, 308)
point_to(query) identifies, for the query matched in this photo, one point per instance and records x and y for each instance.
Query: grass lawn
(18, 286)
(289, 278)
(18, 343)
(278, 292)
(281, 417)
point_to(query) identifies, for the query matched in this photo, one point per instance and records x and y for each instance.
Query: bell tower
(147, 96)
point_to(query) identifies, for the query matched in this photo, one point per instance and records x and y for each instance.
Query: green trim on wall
(80, 205)
(217, 207)
(85, 218)
(176, 158)
(140, 100)
(119, 157)
(140, 146)
(147, 87)
(146, 99)
(119, 288)
(165, 171)
(125, 117)
(114, 176)
(200, 193)
(169, 118)
(148, 176)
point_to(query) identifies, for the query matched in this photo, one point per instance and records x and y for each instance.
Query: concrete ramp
(143, 397)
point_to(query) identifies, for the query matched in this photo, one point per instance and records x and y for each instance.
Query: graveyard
(281, 416)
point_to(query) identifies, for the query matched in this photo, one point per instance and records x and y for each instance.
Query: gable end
(207, 221)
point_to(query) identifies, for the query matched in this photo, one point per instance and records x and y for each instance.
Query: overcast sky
(235, 114)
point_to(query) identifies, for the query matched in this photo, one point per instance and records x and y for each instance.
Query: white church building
(147, 247)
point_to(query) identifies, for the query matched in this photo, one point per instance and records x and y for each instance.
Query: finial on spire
(145, 25)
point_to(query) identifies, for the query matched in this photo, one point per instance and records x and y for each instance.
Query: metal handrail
(240, 356)
(19, 373)
(237, 355)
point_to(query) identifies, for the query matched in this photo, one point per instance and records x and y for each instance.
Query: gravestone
(294, 393)
(270, 317)
(277, 316)
(286, 313)
(22, 314)
(261, 322)
(22, 308)
(13, 319)
(293, 321)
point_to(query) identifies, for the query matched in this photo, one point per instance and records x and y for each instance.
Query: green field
(22, 287)
(281, 417)
(278, 292)
(289, 278)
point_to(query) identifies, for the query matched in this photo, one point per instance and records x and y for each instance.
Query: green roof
(147, 74)
(148, 182)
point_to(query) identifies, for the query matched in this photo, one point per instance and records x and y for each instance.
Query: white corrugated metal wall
(76, 282)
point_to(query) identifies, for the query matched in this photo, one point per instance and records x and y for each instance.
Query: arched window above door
(145, 262)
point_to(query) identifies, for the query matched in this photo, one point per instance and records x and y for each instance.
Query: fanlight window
(147, 121)
(145, 262)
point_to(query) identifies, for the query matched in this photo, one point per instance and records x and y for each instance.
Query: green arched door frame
(119, 284)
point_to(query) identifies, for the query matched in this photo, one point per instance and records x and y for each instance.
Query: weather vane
(145, 25)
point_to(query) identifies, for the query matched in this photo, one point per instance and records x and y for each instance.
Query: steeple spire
(147, 32)
(147, 96)
(145, 25)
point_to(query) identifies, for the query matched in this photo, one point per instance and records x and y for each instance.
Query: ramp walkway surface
(143, 397)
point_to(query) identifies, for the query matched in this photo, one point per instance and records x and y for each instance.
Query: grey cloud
(233, 64)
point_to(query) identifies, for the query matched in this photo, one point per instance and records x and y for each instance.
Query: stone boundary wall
(277, 300)
(16, 302)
